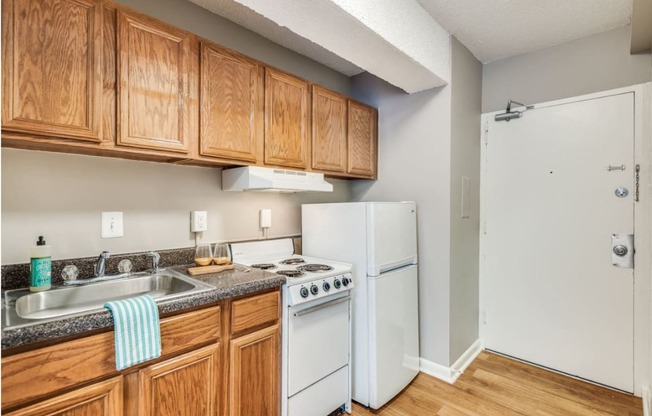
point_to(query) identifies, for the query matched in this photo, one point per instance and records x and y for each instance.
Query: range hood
(257, 178)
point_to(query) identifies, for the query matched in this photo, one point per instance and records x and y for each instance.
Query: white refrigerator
(380, 240)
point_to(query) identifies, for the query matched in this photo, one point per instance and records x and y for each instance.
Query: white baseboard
(452, 373)
(437, 370)
(647, 401)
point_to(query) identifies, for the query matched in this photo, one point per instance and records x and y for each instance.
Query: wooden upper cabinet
(286, 120)
(156, 66)
(362, 138)
(51, 78)
(329, 120)
(101, 399)
(184, 385)
(231, 107)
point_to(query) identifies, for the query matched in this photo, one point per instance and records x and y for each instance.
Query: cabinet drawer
(41, 372)
(254, 311)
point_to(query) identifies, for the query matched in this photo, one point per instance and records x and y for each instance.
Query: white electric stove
(316, 375)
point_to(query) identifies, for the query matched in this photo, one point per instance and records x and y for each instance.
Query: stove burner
(318, 268)
(263, 266)
(294, 260)
(291, 273)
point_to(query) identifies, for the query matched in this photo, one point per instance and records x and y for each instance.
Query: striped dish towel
(137, 330)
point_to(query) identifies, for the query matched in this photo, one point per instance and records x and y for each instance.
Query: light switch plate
(112, 226)
(265, 218)
(466, 197)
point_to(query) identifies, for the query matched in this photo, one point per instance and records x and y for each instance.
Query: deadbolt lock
(620, 250)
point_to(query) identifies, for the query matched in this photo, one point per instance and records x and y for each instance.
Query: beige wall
(200, 21)
(414, 165)
(62, 196)
(596, 63)
(466, 99)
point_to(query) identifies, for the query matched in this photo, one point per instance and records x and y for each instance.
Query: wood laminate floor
(497, 386)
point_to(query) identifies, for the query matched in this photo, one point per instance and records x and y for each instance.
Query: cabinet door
(155, 68)
(184, 385)
(51, 79)
(286, 120)
(329, 120)
(362, 140)
(100, 399)
(230, 105)
(254, 374)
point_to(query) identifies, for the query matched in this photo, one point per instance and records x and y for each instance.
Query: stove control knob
(346, 281)
(303, 292)
(314, 289)
(337, 283)
(326, 286)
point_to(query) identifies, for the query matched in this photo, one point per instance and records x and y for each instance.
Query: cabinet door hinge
(486, 132)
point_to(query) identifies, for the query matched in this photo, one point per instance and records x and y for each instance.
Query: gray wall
(466, 96)
(414, 165)
(208, 25)
(596, 63)
(62, 196)
(427, 142)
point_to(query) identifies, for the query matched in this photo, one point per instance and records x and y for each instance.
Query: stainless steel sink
(22, 307)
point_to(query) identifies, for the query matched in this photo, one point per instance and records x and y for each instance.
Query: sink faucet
(155, 259)
(100, 266)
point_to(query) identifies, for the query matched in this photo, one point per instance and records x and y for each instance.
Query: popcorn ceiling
(406, 42)
(394, 40)
(497, 29)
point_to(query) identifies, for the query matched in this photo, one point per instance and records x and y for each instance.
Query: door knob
(620, 250)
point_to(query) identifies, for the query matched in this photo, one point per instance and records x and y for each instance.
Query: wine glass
(222, 254)
(203, 254)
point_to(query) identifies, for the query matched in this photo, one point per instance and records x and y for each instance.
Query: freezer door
(391, 236)
(393, 333)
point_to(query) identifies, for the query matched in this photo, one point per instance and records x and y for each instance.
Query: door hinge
(638, 180)
(486, 132)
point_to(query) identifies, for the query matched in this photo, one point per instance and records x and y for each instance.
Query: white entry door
(551, 294)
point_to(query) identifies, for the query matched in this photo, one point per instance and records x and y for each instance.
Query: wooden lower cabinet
(254, 374)
(220, 360)
(184, 385)
(100, 399)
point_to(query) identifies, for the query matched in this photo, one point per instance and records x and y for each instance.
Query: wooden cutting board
(194, 271)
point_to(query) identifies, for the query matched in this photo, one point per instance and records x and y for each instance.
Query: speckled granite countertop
(227, 284)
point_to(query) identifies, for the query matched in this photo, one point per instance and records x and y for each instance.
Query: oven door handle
(322, 306)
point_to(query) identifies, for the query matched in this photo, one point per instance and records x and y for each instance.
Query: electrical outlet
(198, 221)
(112, 225)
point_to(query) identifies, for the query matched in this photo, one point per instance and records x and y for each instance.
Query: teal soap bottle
(40, 266)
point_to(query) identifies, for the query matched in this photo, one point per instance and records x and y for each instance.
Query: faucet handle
(100, 266)
(155, 259)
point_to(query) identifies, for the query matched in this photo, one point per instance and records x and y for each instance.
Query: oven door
(318, 341)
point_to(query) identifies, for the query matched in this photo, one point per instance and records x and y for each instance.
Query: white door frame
(642, 222)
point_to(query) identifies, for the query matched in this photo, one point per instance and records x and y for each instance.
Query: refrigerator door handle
(378, 269)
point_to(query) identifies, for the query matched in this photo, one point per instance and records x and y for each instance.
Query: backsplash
(16, 276)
